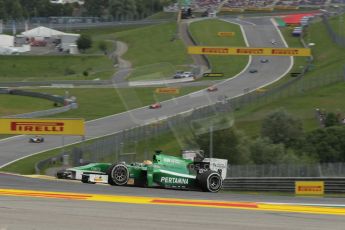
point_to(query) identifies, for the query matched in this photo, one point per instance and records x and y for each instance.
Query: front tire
(210, 181)
(118, 174)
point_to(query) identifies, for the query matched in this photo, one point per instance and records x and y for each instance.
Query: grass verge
(151, 45)
(46, 68)
(205, 33)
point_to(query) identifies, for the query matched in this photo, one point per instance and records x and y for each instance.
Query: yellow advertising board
(168, 90)
(226, 34)
(309, 187)
(227, 9)
(216, 50)
(286, 7)
(213, 75)
(42, 126)
(259, 9)
(261, 90)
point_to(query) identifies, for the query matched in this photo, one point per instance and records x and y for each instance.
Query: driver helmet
(147, 162)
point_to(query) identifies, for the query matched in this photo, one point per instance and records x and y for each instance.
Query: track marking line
(296, 208)
(303, 209)
(45, 177)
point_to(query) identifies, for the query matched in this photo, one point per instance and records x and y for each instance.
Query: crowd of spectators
(205, 4)
(338, 1)
(249, 3)
(328, 118)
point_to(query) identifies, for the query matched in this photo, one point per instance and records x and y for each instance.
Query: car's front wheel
(118, 174)
(210, 181)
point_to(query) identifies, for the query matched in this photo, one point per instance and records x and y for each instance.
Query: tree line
(282, 140)
(115, 9)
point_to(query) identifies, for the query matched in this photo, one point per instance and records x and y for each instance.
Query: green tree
(227, 144)
(331, 120)
(14, 9)
(263, 151)
(326, 144)
(3, 14)
(96, 7)
(102, 45)
(84, 42)
(281, 127)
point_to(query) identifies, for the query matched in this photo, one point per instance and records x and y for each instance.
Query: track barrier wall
(58, 100)
(281, 184)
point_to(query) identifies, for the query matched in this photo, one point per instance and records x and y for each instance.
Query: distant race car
(190, 172)
(181, 74)
(212, 89)
(36, 139)
(155, 106)
(253, 71)
(264, 60)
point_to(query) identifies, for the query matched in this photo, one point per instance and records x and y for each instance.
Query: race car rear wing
(215, 164)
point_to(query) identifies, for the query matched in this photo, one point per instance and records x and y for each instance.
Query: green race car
(192, 172)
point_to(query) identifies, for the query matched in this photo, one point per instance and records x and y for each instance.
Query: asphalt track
(259, 32)
(143, 208)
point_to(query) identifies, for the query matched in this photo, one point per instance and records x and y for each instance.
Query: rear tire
(210, 181)
(118, 174)
(61, 174)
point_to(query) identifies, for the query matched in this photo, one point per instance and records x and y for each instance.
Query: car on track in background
(212, 89)
(253, 71)
(264, 60)
(181, 74)
(36, 139)
(190, 172)
(178, 75)
(155, 106)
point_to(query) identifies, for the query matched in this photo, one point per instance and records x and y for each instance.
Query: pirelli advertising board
(168, 90)
(226, 34)
(309, 187)
(213, 75)
(42, 126)
(209, 50)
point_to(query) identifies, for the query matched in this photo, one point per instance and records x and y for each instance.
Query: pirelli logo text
(292, 52)
(42, 126)
(215, 50)
(309, 187)
(250, 51)
(226, 34)
(38, 126)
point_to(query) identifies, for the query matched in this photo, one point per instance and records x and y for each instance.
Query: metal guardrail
(336, 38)
(332, 169)
(72, 26)
(67, 105)
(56, 83)
(271, 184)
(45, 113)
(195, 43)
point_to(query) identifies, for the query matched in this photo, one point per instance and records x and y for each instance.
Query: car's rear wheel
(118, 174)
(210, 181)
